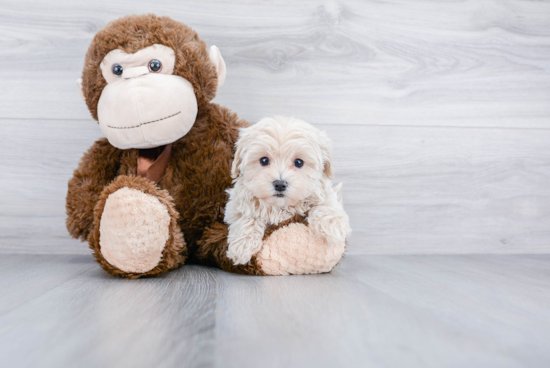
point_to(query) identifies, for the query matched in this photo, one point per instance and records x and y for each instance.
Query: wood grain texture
(452, 63)
(26, 278)
(439, 110)
(376, 311)
(406, 189)
(445, 190)
(97, 320)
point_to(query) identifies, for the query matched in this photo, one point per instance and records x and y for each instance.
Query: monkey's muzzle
(146, 110)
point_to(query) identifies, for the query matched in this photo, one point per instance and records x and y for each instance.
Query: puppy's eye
(117, 69)
(264, 161)
(298, 163)
(155, 66)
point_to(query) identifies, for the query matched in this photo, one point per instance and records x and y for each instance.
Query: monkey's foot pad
(134, 229)
(296, 250)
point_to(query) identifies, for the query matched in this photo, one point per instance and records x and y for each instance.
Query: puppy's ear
(328, 167)
(326, 151)
(237, 160)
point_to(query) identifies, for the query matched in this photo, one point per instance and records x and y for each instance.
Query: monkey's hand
(244, 239)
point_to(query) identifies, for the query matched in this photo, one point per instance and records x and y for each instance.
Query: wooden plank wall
(439, 110)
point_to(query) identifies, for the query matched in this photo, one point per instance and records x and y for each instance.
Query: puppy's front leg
(244, 239)
(330, 221)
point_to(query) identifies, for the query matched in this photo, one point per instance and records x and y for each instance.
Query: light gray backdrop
(439, 110)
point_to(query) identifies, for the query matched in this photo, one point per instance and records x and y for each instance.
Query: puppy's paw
(241, 250)
(331, 225)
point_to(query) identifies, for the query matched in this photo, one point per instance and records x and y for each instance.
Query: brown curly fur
(295, 219)
(193, 186)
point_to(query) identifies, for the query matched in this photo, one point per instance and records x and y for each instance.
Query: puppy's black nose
(280, 185)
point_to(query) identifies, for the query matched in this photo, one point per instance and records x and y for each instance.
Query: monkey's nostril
(280, 185)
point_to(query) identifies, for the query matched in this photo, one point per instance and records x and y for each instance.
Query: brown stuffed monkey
(151, 195)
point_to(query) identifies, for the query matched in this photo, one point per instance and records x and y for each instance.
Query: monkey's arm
(97, 168)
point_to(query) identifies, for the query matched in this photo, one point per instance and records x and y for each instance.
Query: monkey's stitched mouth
(149, 122)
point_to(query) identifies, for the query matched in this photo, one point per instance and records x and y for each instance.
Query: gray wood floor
(439, 111)
(371, 311)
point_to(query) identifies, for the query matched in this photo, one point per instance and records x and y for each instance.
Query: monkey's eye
(264, 161)
(298, 163)
(117, 69)
(155, 66)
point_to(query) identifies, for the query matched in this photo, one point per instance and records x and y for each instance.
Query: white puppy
(282, 168)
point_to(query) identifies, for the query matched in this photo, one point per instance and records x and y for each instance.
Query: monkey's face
(143, 104)
(145, 76)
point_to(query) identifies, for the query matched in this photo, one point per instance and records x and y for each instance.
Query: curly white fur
(253, 202)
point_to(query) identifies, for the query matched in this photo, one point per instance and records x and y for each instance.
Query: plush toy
(151, 195)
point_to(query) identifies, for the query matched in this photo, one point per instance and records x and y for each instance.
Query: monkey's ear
(217, 59)
(79, 84)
